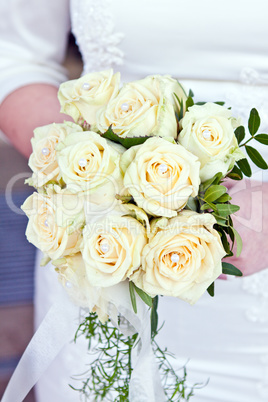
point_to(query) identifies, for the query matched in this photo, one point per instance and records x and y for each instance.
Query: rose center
(175, 258)
(45, 151)
(104, 246)
(207, 135)
(86, 86)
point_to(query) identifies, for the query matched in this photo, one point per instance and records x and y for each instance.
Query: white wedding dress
(220, 51)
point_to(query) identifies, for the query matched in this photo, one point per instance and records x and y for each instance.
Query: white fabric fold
(58, 328)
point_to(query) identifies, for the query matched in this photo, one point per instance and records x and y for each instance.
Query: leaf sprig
(109, 374)
(242, 167)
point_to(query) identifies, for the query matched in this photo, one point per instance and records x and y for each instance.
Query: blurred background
(17, 256)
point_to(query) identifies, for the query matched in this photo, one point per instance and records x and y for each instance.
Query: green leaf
(124, 198)
(133, 296)
(240, 134)
(214, 180)
(211, 289)
(224, 198)
(227, 209)
(221, 221)
(191, 94)
(144, 297)
(225, 242)
(230, 269)
(200, 103)
(180, 102)
(217, 103)
(230, 230)
(126, 142)
(208, 205)
(214, 192)
(235, 174)
(256, 157)
(245, 167)
(189, 103)
(191, 204)
(154, 317)
(262, 138)
(239, 242)
(254, 121)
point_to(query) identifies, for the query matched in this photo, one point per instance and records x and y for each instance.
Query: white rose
(82, 98)
(90, 163)
(208, 132)
(73, 277)
(182, 258)
(112, 248)
(55, 222)
(43, 161)
(145, 107)
(160, 176)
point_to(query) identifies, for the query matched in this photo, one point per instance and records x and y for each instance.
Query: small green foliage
(126, 142)
(226, 209)
(191, 94)
(211, 289)
(244, 167)
(189, 103)
(133, 289)
(109, 374)
(125, 199)
(154, 317)
(192, 204)
(239, 243)
(230, 269)
(254, 121)
(240, 134)
(256, 157)
(262, 138)
(236, 173)
(214, 192)
(144, 297)
(224, 198)
(181, 112)
(220, 103)
(216, 179)
(133, 296)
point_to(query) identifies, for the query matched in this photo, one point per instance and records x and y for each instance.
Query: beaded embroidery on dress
(95, 34)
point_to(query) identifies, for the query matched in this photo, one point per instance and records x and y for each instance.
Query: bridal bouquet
(131, 204)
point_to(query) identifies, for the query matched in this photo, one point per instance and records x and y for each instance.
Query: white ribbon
(58, 328)
(55, 331)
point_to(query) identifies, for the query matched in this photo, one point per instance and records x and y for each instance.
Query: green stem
(242, 145)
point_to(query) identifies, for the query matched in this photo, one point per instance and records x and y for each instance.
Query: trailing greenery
(109, 374)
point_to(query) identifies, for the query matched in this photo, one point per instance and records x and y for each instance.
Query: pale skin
(25, 109)
(35, 105)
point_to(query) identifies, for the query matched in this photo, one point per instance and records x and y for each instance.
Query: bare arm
(27, 108)
(252, 224)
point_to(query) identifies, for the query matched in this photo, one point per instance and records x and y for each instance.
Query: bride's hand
(252, 224)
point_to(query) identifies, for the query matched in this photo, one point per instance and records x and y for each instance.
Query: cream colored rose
(55, 222)
(145, 107)
(160, 176)
(112, 249)
(90, 163)
(43, 161)
(182, 259)
(82, 98)
(208, 132)
(73, 277)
